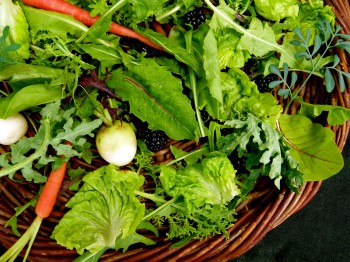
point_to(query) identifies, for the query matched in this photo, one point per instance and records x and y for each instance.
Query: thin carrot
(43, 209)
(63, 7)
(158, 27)
(50, 191)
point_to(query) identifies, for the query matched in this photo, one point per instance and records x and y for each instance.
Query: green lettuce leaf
(144, 86)
(241, 97)
(212, 181)
(104, 213)
(313, 146)
(258, 46)
(275, 10)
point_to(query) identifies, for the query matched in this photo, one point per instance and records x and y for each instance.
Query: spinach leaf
(313, 146)
(27, 97)
(144, 86)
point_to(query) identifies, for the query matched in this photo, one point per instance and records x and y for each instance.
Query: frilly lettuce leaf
(275, 10)
(228, 54)
(241, 97)
(105, 212)
(212, 181)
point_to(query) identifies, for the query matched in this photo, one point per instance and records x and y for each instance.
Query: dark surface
(320, 232)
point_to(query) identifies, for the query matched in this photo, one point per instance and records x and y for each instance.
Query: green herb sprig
(5, 49)
(327, 39)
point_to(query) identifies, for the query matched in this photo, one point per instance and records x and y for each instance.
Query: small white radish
(12, 129)
(117, 144)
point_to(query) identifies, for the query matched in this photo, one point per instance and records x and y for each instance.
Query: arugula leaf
(57, 127)
(313, 146)
(104, 213)
(264, 148)
(144, 86)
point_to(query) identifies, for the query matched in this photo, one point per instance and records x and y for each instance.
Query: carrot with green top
(44, 207)
(63, 7)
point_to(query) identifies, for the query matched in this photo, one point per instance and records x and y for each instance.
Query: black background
(319, 232)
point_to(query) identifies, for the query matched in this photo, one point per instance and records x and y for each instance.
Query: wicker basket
(266, 208)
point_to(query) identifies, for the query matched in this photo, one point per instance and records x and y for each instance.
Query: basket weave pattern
(265, 209)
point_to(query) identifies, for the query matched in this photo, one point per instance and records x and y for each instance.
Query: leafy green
(315, 58)
(22, 75)
(172, 47)
(13, 18)
(337, 115)
(5, 48)
(276, 10)
(27, 97)
(104, 213)
(57, 127)
(264, 149)
(106, 55)
(313, 146)
(228, 54)
(212, 181)
(241, 97)
(144, 86)
(211, 66)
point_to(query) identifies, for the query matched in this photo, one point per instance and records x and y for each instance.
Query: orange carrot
(49, 194)
(63, 7)
(158, 27)
(43, 209)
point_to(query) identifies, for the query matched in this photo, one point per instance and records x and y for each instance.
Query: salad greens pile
(201, 85)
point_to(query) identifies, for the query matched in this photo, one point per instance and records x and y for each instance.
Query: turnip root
(12, 129)
(117, 144)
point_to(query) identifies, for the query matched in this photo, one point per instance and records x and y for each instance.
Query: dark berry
(143, 48)
(195, 18)
(205, 116)
(226, 131)
(263, 82)
(155, 139)
(238, 162)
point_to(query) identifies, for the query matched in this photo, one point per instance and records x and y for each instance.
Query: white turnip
(117, 144)
(12, 129)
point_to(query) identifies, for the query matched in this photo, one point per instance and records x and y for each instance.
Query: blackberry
(155, 139)
(143, 48)
(226, 131)
(195, 18)
(263, 82)
(205, 117)
(238, 162)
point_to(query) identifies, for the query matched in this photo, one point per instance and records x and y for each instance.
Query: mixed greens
(203, 83)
